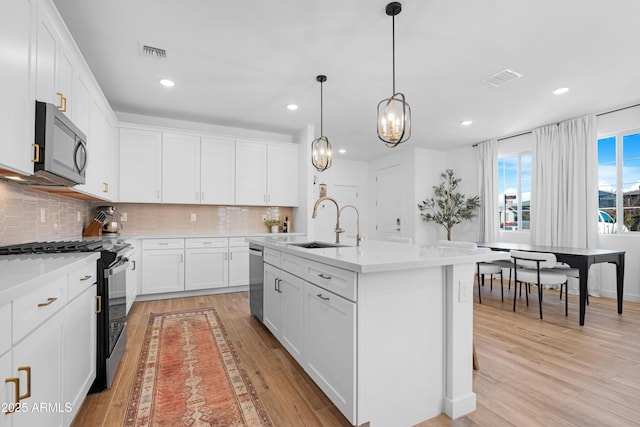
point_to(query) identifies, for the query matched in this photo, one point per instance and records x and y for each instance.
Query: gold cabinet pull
(322, 297)
(324, 276)
(60, 97)
(16, 383)
(87, 277)
(26, 369)
(105, 187)
(50, 301)
(64, 103)
(36, 158)
(99, 298)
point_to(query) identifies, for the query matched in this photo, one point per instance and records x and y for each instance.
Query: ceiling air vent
(502, 77)
(152, 52)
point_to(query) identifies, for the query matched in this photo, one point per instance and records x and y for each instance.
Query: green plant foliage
(448, 207)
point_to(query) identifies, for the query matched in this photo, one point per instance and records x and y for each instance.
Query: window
(619, 182)
(514, 191)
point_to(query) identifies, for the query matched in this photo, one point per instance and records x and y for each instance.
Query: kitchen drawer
(215, 242)
(81, 278)
(337, 280)
(34, 308)
(272, 257)
(291, 263)
(5, 330)
(163, 244)
(238, 242)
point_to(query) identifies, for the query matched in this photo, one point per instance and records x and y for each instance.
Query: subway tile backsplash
(21, 214)
(27, 215)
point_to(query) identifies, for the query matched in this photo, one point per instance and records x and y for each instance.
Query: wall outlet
(465, 291)
(194, 217)
(264, 218)
(123, 217)
(56, 225)
(78, 216)
(42, 215)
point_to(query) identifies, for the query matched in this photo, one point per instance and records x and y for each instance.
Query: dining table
(580, 258)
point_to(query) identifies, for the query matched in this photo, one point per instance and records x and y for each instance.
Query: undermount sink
(317, 245)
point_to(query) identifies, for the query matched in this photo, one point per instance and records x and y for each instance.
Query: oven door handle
(122, 265)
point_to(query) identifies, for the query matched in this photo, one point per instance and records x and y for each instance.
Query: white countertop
(202, 235)
(376, 256)
(20, 274)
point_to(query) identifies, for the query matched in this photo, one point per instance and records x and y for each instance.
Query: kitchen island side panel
(401, 346)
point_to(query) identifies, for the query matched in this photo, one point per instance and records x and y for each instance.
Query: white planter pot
(274, 228)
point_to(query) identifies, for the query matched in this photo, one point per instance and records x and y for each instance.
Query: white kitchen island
(385, 329)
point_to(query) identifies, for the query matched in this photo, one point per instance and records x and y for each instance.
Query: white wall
(302, 215)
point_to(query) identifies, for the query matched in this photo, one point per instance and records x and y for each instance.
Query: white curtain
(487, 156)
(564, 186)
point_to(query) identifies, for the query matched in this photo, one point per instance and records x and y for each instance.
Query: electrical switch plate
(194, 217)
(42, 215)
(78, 216)
(123, 217)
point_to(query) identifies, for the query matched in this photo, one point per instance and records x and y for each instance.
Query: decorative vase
(274, 228)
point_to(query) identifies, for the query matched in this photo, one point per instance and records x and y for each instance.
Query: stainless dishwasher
(256, 280)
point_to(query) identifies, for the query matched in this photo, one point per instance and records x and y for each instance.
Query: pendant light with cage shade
(321, 151)
(394, 113)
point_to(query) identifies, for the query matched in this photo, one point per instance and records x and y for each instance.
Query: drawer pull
(99, 298)
(16, 383)
(322, 297)
(133, 264)
(324, 276)
(26, 369)
(50, 301)
(36, 159)
(83, 278)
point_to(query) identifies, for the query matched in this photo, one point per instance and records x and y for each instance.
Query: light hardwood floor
(533, 372)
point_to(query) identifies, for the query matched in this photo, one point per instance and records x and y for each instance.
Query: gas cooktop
(64, 246)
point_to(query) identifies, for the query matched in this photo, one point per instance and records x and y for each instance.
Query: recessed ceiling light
(342, 151)
(292, 107)
(561, 90)
(167, 83)
(466, 122)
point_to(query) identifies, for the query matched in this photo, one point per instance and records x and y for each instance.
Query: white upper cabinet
(282, 175)
(217, 171)
(251, 173)
(180, 168)
(140, 165)
(17, 35)
(266, 174)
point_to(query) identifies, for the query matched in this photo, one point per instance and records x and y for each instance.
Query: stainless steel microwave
(60, 156)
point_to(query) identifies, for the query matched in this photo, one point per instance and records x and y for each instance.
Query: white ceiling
(238, 63)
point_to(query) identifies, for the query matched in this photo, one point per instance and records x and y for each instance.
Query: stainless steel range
(111, 292)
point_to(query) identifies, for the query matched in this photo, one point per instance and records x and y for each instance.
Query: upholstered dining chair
(537, 269)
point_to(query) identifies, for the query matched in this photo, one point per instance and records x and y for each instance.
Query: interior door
(388, 198)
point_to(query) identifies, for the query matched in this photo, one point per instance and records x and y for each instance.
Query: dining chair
(570, 272)
(536, 268)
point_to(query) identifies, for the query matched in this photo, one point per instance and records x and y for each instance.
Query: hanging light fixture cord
(393, 50)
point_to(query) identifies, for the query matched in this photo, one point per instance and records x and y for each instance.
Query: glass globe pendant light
(321, 151)
(394, 113)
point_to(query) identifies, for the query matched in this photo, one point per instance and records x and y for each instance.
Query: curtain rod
(597, 115)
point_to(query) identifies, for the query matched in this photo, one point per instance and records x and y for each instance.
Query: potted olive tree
(447, 206)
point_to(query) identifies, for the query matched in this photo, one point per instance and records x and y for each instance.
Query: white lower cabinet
(79, 351)
(162, 265)
(207, 263)
(283, 308)
(315, 324)
(238, 261)
(7, 390)
(330, 345)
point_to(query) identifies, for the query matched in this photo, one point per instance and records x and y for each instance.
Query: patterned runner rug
(188, 375)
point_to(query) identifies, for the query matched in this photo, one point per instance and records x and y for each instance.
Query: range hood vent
(152, 52)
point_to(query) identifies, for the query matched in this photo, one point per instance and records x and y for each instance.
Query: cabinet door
(7, 389)
(41, 353)
(291, 321)
(282, 175)
(239, 266)
(17, 32)
(251, 173)
(101, 154)
(162, 270)
(81, 102)
(64, 80)
(79, 350)
(217, 171)
(132, 280)
(329, 346)
(271, 304)
(180, 168)
(140, 165)
(46, 48)
(206, 268)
